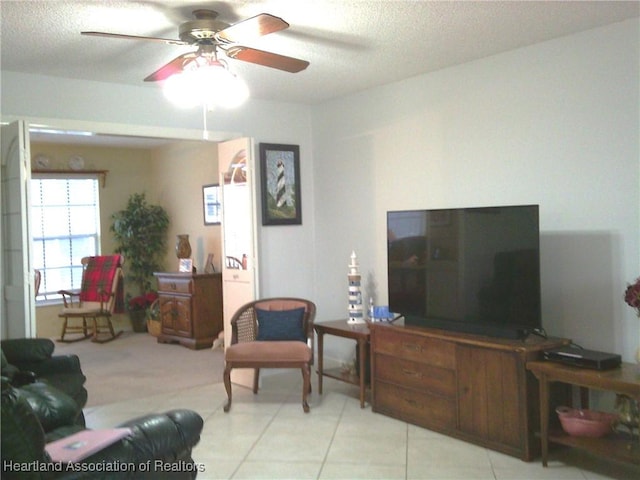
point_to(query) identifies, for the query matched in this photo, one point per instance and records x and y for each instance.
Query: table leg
(362, 348)
(544, 417)
(584, 397)
(320, 359)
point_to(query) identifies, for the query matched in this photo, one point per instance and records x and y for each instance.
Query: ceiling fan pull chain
(205, 132)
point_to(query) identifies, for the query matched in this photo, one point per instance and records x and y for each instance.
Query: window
(65, 226)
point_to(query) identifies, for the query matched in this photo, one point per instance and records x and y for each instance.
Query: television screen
(473, 270)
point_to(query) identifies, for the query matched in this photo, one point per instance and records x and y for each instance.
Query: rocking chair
(100, 292)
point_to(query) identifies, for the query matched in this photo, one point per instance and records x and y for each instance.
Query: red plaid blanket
(97, 279)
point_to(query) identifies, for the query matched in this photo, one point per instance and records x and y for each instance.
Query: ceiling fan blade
(253, 27)
(174, 66)
(135, 37)
(268, 59)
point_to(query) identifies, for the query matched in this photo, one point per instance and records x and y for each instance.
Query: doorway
(184, 164)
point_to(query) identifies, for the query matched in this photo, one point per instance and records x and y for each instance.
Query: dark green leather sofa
(26, 360)
(42, 400)
(159, 447)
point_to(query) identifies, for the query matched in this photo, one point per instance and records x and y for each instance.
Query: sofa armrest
(23, 439)
(166, 434)
(27, 350)
(52, 407)
(156, 441)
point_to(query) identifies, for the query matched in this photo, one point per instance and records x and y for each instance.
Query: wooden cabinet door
(488, 395)
(166, 315)
(175, 315)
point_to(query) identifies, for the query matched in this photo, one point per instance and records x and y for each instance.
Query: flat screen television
(473, 270)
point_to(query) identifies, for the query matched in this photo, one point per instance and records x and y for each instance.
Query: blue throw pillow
(281, 324)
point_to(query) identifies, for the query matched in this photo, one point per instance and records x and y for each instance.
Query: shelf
(623, 379)
(71, 173)
(616, 446)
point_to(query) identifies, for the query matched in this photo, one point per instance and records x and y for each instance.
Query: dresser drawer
(175, 285)
(416, 375)
(414, 406)
(407, 346)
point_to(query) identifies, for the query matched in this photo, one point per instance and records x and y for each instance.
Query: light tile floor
(267, 436)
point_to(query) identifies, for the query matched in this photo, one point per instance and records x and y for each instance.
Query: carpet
(134, 366)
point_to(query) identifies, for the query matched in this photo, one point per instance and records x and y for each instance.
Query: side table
(357, 332)
(624, 379)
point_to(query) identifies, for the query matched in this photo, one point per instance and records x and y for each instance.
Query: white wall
(285, 268)
(555, 124)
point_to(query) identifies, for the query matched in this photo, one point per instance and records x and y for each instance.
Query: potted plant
(632, 296)
(139, 309)
(140, 233)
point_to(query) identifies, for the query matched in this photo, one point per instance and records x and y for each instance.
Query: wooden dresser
(190, 308)
(467, 386)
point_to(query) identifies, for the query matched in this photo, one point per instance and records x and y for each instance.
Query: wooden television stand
(470, 387)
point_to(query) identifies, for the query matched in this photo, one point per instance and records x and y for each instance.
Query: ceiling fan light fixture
(212, 85)
(234, 92)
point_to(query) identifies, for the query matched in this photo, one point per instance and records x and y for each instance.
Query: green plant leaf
(140, 234)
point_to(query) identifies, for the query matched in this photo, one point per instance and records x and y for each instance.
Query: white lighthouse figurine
(355, 294)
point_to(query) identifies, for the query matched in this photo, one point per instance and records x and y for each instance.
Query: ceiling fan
(210, 35)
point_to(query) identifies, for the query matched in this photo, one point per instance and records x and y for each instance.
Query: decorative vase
(138, 320)
(183, 247)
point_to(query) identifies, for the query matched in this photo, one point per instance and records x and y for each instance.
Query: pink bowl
(585, 423)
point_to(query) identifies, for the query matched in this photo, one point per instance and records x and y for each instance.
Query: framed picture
(185, 265)
(211, 204)
(280, 184)
(209, 267)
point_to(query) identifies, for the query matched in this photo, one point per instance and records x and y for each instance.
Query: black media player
(583, 358)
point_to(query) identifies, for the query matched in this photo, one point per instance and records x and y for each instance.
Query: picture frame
(185, 265)
(211, 205)
(280, 184)
(209, 266)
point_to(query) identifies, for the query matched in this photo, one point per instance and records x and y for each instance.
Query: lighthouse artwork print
(280, 184)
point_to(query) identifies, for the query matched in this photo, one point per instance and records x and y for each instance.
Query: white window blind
(65, 225)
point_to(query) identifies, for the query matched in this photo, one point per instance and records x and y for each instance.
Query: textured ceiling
(351, 45)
